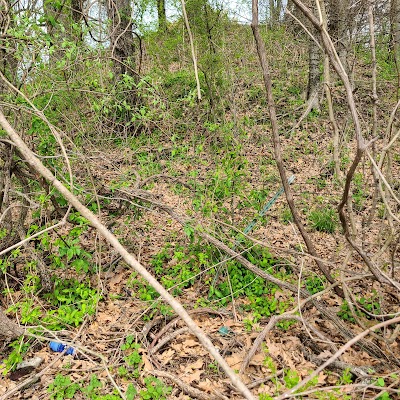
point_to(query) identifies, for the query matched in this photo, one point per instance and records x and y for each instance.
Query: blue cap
(59, 347)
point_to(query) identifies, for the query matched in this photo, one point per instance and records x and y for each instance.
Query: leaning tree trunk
(8, 328)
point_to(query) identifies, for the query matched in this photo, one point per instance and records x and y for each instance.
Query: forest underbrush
(192, 190)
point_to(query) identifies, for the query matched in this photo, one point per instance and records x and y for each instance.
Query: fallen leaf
(197, 364)
(191, 343)
(192, 376)
(234, 360)
(258, 359)
(167, 356)
(206, 385)
(146, 364)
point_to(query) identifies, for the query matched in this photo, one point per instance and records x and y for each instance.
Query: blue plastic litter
(225, 331)
(59, 348)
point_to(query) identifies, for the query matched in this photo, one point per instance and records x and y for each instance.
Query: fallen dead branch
(271, 324)
(343, 349)
(38, 166)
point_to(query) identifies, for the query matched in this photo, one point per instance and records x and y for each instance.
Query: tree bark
(162, 16)
(63, 21)
(68, 14)
(275, 8)
(338, 26)
(121, 38)
(8, 62)
(8, 328)
(395, 28)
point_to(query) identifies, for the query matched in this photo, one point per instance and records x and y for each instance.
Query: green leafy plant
(72, 301)
(29, 313)
(314, 283)
(359, 194)
(70, 252)
(323, 220)
(346, 314)
(19, 349)
(369, 303)
(264, 396)
(132, 359)
(286, 216)
(155, 389)
(346, 377)
(291, 378)
(62, 388)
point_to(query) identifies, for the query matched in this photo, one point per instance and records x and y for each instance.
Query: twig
(167, 338)
(336, 356)
(259, 382)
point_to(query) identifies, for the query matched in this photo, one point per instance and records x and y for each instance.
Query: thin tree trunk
(314, 74)
(63, 22)
(123, 52)
(8, 63)
(162, 16)
(395, 37)
(194, 58)
(77, 16)
(338, 27)
(277, 145)
(327, 86)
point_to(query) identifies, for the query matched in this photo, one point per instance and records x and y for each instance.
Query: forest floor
(217, 177)
(221, 184)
